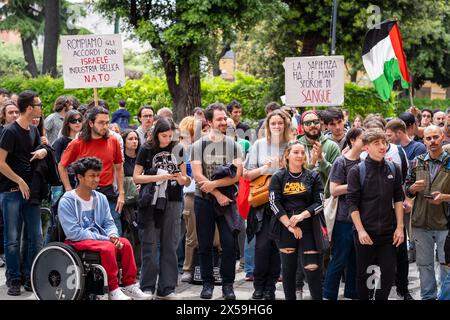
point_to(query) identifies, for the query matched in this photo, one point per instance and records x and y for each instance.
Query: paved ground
(243, 289)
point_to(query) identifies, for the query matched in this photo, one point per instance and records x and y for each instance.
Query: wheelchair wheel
(57, 273)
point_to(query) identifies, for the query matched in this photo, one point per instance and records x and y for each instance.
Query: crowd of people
(341, 199)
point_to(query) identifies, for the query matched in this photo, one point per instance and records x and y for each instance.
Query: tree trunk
(216, 63)
(186, 93)
(51, 34)
(27, 46)
(216, 69)
(353, 76)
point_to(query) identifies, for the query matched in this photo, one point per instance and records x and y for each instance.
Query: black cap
(408, 118)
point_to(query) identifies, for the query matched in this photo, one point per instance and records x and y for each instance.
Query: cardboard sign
(314, 81)
(92, 61)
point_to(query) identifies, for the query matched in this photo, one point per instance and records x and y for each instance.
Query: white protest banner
(92, 61)
(314, 81)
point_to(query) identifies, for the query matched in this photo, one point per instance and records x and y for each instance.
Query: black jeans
(267, 259)
(382, 253)
(206, 220)
(290, 263)
(401, 277)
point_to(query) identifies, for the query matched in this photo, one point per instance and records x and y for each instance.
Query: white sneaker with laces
(133, 291)
(118, 295)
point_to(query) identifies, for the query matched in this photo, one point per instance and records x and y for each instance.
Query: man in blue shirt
(88, 225)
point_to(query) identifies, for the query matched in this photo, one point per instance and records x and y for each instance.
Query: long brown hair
(65, 130)
(287, 125)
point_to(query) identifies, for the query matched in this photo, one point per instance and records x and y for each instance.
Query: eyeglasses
(147, 116)
(311, 122)
(37, 105)
(77, 120)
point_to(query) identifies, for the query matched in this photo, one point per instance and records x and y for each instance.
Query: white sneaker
(170, 296)
(186, 276)
(150, 293)
(133, 291)
(118, 295)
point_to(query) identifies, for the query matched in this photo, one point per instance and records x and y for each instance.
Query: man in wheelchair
(86, 219)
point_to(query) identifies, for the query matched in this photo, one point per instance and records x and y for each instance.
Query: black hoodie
(374, 202)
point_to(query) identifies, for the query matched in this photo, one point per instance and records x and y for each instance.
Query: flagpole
(333, 27)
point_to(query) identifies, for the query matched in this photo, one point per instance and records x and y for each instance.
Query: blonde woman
(295, 201)
(264, 159)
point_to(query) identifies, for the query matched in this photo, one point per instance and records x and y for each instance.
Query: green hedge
(442, 104)
(252, 93)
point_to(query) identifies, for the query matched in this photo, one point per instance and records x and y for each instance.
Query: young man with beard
(321, 152)
(209, 153)
(94, 141)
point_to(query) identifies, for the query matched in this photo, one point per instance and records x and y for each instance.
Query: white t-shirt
(87, 212)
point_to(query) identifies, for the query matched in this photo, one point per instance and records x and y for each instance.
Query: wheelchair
(59, 272)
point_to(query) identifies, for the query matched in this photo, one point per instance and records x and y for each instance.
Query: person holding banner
(94, 140)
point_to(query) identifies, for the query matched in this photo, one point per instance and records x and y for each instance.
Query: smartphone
(428, 196)
(176, 171)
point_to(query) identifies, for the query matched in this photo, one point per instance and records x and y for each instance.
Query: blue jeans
(342, 258)
(15, 210)
(116, 216)
(249, 256)
(445, 289)
(424, 241)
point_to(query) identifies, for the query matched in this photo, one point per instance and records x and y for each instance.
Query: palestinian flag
(384, 58)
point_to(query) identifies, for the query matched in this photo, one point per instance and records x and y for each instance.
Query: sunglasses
(311, 122)
(77, 120)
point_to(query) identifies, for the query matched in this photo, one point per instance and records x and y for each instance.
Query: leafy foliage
(252, 93)
(304, 29)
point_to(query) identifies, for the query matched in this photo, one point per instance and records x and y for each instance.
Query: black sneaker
(27, 286)
(269, 295)
(14, 289)
(228, 292)
(207, 291)
(258, 294)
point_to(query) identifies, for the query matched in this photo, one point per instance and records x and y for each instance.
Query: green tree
(32, 18)
(25, 17)
(180, 32)
(304, 29)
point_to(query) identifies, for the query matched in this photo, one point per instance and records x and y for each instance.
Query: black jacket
(289, 196)
(229, 211)
(375, 200)
(45, 174)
